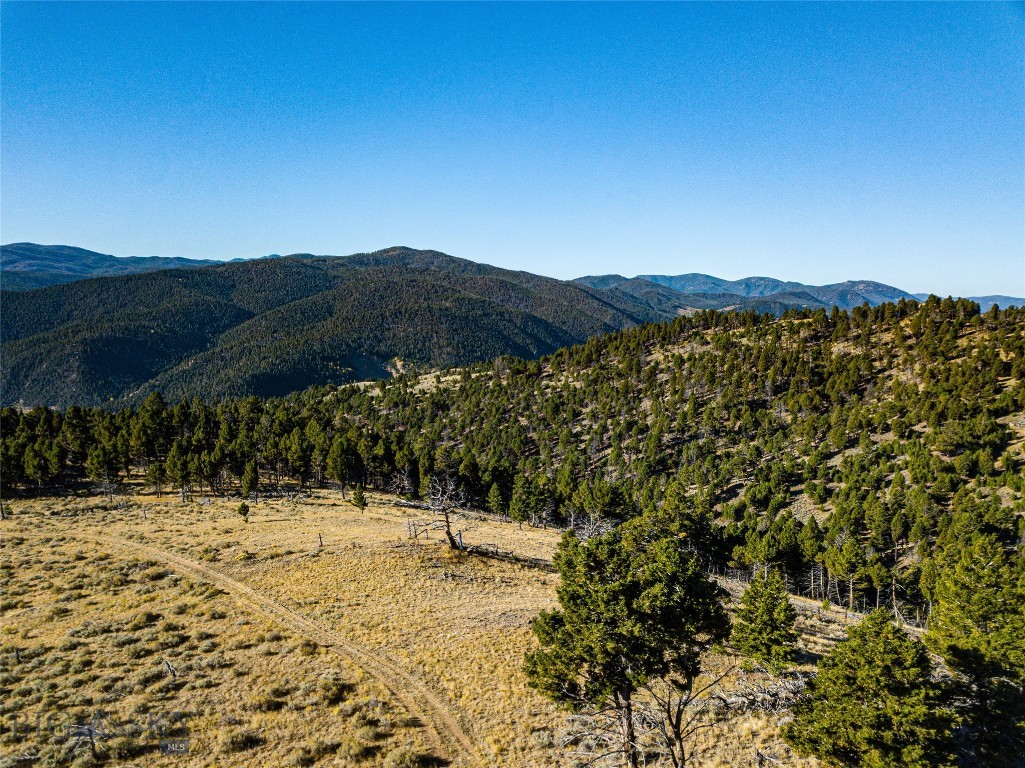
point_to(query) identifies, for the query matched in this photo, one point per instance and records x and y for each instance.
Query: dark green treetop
(763, 627)
(873, 703)
(978, 626)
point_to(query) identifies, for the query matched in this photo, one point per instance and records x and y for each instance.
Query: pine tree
(36, 467)
(495, 501)
(873, 703)
(846, 561)
(178, 468)
(148, 427)
(978, 626)
(337, 461)
(763, 626)
(99, 463)
(359, 499)
(156, 474)
(810, 541)
(250, 479)
(521, 506)
(634, 605)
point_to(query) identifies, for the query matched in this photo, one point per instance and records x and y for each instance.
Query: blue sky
(814, 142)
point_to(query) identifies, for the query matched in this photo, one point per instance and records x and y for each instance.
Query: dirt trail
(448, 735)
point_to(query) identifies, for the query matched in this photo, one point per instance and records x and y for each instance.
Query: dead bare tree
(89, 734)
(676, 709)
(671, 712)
(590, 526)
(401, 483)
(597, 738)
(445, 499)
(664, 721)
(773, 694)
(107, 488)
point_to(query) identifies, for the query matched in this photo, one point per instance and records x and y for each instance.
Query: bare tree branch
(445, 499)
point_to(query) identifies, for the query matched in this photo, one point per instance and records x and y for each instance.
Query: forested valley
(870, 459)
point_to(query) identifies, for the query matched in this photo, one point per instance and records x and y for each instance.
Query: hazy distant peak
(31, 265)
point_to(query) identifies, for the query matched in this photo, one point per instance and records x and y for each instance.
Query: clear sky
(813, 142)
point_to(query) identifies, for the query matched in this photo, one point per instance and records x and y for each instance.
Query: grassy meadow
(309, 634)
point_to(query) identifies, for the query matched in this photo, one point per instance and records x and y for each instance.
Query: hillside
(887, 423)
(24, 266)
(273, 326)
(871, 459)
(336, 646)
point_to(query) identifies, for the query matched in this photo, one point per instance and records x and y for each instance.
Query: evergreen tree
(156, 475)
(691, 519)
(633, 606)
(178, 468)
(521, 505)
(36, 467)
(359, 499)
(846, 561)
(99, 463)
(873, 703)
(250, 479)
(194, 472)
(337, 461)
(495, 501)
(148, 428)
(810, 541)
(978, 626)
(763, 627)
(300, 455)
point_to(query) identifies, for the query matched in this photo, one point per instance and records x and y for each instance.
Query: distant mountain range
(24, 266)
(273, 325)
(765, 294)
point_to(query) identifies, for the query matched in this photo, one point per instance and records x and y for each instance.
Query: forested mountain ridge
(24, 266)
(745, 292)
(846, 295)
(273, 326)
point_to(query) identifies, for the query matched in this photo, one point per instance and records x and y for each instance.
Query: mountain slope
(269, 327)
(24, 266)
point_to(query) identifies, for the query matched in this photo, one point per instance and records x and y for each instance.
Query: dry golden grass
(455, 624)
(84, 632)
